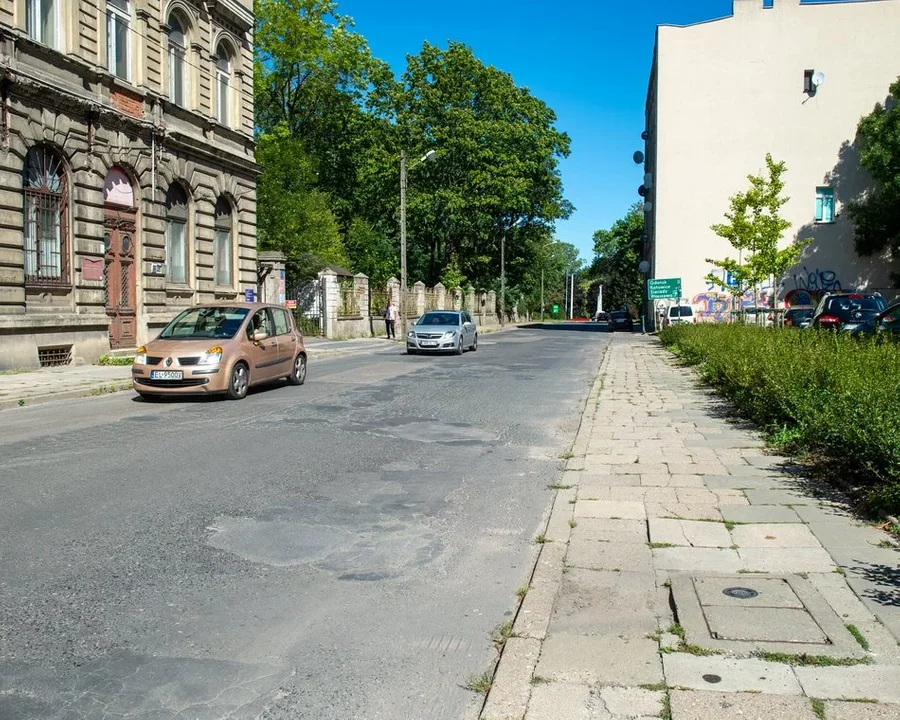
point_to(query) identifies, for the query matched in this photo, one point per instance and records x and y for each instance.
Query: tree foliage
(877, 216)
(755, 228)
(617, 258)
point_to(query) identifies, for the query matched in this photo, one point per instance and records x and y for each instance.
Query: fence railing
(431, 301)
(348, 306)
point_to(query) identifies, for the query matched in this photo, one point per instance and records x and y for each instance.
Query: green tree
(877, 215)
(617, 257)
(755, 229)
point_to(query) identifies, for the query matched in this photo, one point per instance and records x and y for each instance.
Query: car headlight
(140, 357)
(410, 334)
(213, 356)
(449, 335)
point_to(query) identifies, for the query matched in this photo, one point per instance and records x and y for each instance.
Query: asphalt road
(336, 551)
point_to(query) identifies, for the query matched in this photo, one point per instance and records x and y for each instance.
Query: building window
(46, 208)
(223, 84)
(222, 247)
(824, 205)
(118, 30)
(41, 21)
(177, 47)
(176, 235)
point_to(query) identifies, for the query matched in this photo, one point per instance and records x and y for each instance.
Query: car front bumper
(207, 380)
(439, 346)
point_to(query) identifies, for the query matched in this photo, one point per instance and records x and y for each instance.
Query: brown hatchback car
(221, 349)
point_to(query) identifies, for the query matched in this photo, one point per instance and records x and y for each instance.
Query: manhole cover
(712, 679)
(741, 593)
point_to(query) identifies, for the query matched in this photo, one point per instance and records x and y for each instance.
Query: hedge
(821, 393)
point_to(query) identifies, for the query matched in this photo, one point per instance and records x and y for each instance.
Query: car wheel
(298, 373)
(459, 346)
(239, 382)
(474, 343)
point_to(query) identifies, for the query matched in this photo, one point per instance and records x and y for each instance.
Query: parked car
(847, 311)
(226, 349)
(799, 316)
(884, 325)
(620, 320)
(443, 331)
(680, 315)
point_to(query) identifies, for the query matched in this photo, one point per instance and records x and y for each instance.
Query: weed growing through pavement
(539, 680)
(660, 545)
(502, 633)
(522, 592)
(541, 539)
(654, 687)
(809, 660)
(559, 486)
(481, 683)
(573, 524)
(21, 402)
(860, 638)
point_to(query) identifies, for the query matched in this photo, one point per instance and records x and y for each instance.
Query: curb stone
(510, 690)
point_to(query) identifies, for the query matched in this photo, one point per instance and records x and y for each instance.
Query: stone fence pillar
(441, 293)
(361, 294)
(418, 298)
(331, 291)
(271, 273)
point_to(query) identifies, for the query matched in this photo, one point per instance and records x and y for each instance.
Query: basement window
(55, 356)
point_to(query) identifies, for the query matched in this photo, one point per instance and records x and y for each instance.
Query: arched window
(46, 210)
(176, 235)
(222, 245)
(223, 84)
(177, 47)
(118, 38)
(41, 21)
(117, 189)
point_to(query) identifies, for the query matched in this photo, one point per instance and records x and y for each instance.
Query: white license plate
(166, 375)
(428, 343)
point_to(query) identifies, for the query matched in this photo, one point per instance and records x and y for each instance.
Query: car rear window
(850, 303)
(618, 315)
(681, 311)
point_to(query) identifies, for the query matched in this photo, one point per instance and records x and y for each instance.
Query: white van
(680, 314)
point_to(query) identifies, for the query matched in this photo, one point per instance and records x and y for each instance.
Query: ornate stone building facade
(127, 173)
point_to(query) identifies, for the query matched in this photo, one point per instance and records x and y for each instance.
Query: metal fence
(431, 301)
(378, 300)
(307, 302)
(348, 306)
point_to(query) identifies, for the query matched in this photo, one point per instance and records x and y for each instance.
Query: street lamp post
(503, 270)
(430, 155)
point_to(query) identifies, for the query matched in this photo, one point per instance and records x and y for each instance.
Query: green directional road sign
(556, 309)
(664, 288)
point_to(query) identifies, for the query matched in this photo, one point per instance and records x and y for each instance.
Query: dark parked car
(799, 316)
(620, 320)
(884, 325)
(847, 311)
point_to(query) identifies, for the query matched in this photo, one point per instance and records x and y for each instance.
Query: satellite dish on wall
(644, 267)
(818, 78)
(638, 157)
(648, 180)
(642, 191)
(645, 135)
(648, 207)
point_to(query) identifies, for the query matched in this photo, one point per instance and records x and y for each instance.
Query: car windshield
(439, 318)
(683, 311)
(206, 322)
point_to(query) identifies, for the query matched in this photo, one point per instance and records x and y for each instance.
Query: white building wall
(729, 91)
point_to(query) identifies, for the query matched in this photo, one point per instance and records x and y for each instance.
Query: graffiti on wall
(810, 285)
(712, 306)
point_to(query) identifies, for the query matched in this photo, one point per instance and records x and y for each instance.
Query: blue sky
(589, 60)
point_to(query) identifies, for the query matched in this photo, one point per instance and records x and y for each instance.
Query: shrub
(817, 392)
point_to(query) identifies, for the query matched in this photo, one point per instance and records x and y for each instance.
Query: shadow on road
(592, 327)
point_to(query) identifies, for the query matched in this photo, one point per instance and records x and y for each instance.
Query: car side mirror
(259, 336)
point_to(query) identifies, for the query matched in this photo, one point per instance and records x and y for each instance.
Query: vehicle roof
(237, 303)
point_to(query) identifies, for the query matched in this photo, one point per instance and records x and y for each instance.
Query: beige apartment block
(127, 173)
(783, 77)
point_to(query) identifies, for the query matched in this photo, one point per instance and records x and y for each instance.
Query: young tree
(877, 215)
(617, 259)
(755, 229)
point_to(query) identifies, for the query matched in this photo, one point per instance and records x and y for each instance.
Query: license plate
(166, 375)
(428, 343)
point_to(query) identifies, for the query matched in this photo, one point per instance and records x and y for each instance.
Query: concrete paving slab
(816, 512)
(600, 659)
(836, 535)
(704, 468)
(610, 509)
(776, 497)
(782, 561)
(697, 560)
(748, 470)
(512, 682)
(589, 483)
(770, 535)
(875, 682)
(698, 705)
(613, 459)
(632, 532)
(742, 482)
(833, 587)
(691, 533)
(731, 497)
(729, 675)
(666, 480)
(763, 624)
(639, 469)
(773, 592)
(610, 556)
(533, 619)
(606, 603)
(632, 702)
(842, 710)
(554, 700)
(759, 514)
(683, 512)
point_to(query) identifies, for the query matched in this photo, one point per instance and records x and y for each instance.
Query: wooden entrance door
(119, 276)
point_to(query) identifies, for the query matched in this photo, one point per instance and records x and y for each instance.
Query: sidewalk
(686, 575)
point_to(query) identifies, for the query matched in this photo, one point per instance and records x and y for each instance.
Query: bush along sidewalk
(828, 397)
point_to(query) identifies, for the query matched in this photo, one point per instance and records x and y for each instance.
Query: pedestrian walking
(390, 320)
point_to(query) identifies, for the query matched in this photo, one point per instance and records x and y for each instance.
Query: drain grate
(741, 593)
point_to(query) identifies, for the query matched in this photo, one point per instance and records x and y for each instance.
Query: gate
(307, 301)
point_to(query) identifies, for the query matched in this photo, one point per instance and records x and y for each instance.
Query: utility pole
(403, 242)
(503, 278)
(542, 294)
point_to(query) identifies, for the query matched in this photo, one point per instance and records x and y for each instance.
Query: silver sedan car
(443, 331)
